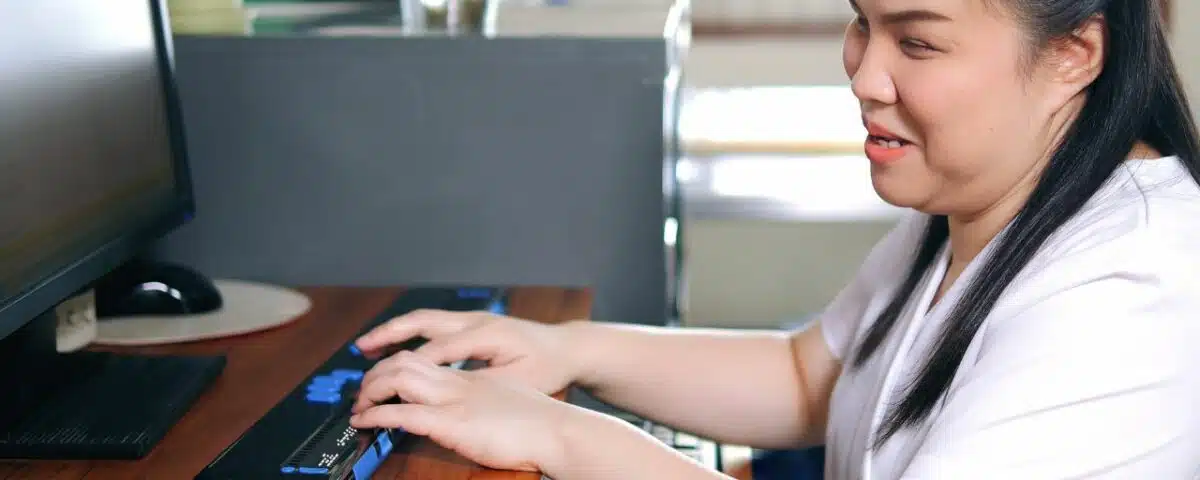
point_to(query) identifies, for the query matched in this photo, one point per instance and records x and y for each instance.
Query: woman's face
(951, 80)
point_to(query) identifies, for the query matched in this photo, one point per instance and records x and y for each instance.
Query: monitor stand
(30, 367)
(90, 404)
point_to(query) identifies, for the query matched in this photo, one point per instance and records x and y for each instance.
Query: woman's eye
(916, 45)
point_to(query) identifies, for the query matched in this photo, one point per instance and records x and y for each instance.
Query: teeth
(888, 143)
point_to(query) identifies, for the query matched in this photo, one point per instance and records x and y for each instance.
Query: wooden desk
(263, 367)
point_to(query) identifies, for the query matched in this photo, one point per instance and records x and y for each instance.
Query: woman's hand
(506, 426)
(526, 352)
(494, 423)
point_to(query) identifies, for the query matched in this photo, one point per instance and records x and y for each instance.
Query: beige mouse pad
(247, 307)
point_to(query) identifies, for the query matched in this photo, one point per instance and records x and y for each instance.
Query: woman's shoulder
(1140, 234)
(1117, 282)
(1149, 208)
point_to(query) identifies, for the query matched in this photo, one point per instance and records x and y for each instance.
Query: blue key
(322, 397)
(328, 380)
(385, 441)
(314, 470)
(355, 351)
(324, 388)
(367, 463)
(347, 374)
(288, 469)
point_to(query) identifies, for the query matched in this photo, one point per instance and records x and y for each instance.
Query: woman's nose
(872, 81)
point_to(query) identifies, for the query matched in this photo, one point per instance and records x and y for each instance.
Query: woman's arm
(597, 446)
(761, 389)
(504, 425)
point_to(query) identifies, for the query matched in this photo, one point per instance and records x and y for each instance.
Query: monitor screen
(89, 170)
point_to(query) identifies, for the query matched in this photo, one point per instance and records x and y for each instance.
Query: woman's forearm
(731, 386)
(598, 446)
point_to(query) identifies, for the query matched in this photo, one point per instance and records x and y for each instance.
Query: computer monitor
(92, 166)
(92, 160)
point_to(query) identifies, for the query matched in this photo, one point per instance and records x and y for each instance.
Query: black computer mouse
(151, 288)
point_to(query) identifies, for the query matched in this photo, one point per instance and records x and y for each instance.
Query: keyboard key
(331, 398)
(347, 374)
(663, 434)
(686, 441)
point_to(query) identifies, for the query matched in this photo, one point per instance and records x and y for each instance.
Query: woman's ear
(1077, 59)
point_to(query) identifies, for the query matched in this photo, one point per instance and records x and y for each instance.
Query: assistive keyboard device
(308, 433)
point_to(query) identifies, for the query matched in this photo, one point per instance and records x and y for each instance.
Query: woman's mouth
(884, 150)
(887, 142)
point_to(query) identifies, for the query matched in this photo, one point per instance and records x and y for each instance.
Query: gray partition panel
(384, 161)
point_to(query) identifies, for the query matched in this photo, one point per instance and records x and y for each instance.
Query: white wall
(761, 274)
(1185, 37)
(723, 63)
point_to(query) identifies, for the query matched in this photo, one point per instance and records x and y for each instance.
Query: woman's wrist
(560, 420)
(578, 437)
(581, 343)
(593, 445)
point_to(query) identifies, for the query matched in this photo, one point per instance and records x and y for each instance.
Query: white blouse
(1087, 367)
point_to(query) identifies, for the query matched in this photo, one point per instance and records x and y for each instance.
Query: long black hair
(1136, 97)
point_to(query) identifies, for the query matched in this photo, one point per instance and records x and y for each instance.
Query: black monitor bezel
(37, 299)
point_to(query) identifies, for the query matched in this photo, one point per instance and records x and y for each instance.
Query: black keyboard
(307, 434)
(110, 406)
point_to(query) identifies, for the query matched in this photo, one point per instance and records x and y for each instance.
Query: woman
(1033, 318)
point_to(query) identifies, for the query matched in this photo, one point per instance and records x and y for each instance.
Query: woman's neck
(970, 234)
(968, 237)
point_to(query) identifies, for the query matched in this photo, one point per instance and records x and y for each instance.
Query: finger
(412, 381)
(399, 387)
(419, 323)
(400, 358)
(389, 365)
(402, 363)
(363, 401)
(410, 417)
(476, 342)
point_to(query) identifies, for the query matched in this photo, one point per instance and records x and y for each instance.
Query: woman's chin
(897, 192)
